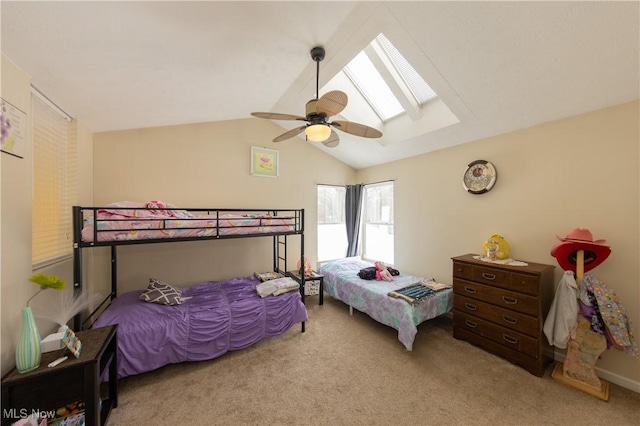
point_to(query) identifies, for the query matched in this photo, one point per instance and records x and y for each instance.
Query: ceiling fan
(318, 128)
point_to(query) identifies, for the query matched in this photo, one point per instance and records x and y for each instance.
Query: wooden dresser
(502, 309)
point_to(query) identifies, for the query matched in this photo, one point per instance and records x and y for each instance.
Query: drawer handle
(470, 307)
(509, 339)
(471, 323)
(509, 300)
(509, 319)
(470, 290)
(488, 276)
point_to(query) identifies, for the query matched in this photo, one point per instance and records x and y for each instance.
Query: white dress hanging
(561, 320)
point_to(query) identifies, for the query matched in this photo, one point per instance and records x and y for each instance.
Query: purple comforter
(220, 316)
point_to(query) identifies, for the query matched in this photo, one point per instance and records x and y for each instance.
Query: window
(376, 238)
(332, 231)
(377, 230)
(54, 181)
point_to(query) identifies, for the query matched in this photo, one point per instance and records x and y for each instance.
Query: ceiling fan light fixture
(318, 132)
(318, 110)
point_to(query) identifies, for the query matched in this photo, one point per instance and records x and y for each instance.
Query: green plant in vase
(29, 349)
(45, 282)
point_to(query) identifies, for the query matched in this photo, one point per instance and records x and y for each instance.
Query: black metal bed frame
(294, 216)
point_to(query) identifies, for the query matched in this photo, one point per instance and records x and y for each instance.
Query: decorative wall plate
(479, 177)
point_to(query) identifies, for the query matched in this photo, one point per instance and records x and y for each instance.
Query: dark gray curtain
(352, 209)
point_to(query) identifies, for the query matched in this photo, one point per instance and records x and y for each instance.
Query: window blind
(55, 172)
(422, 92)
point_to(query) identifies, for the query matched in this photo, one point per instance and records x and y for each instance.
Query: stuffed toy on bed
(372, 272)
(382, 273)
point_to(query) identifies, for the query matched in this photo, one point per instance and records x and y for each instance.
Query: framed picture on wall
(13, 126)
(264, 162)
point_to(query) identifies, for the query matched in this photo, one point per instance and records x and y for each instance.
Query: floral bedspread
(128, 220)
(341, 281)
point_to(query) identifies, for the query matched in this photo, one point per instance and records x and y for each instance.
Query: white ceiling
(498, 66)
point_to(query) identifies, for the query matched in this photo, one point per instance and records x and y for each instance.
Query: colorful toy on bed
(370, 272)
(381, 272)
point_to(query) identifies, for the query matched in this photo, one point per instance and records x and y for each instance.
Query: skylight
(387, 81)
(370, 83)
(419, 88)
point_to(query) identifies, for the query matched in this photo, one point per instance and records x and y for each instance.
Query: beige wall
(578, 172)
(16, 219)
(15, 263)
(207, 165)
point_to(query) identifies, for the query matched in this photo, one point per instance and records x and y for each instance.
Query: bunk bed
(379, 300)
(208, 319)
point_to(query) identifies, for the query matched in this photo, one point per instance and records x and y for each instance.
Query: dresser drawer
(514, 320)
(504, 336)
(491, 276)
(535, 366)
(513, 281)
(502, 278)
(497, 296)
(462, 270)
(524, 283)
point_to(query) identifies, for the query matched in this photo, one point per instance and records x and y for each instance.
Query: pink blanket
(137, 221)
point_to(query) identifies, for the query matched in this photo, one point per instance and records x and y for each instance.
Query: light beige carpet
(350, 370)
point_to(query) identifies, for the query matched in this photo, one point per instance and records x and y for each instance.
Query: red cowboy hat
(595, 252)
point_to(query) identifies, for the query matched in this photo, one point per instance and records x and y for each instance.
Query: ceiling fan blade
(333, 140)
(291, 133)
(332, 103)
(357, 129)
(277, 116)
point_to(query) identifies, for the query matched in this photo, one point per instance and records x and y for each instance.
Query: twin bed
(212, 317)
(342, 282)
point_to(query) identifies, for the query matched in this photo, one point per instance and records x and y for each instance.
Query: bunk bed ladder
(114, 271)
(280, 253)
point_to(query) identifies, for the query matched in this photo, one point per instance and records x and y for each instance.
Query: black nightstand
(313, 277)
(76, 379)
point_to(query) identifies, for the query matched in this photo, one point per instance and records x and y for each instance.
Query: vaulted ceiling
(498, 66)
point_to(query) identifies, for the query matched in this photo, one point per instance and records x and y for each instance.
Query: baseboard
(609, 376)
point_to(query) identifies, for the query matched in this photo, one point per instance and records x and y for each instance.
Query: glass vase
(29, 349)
